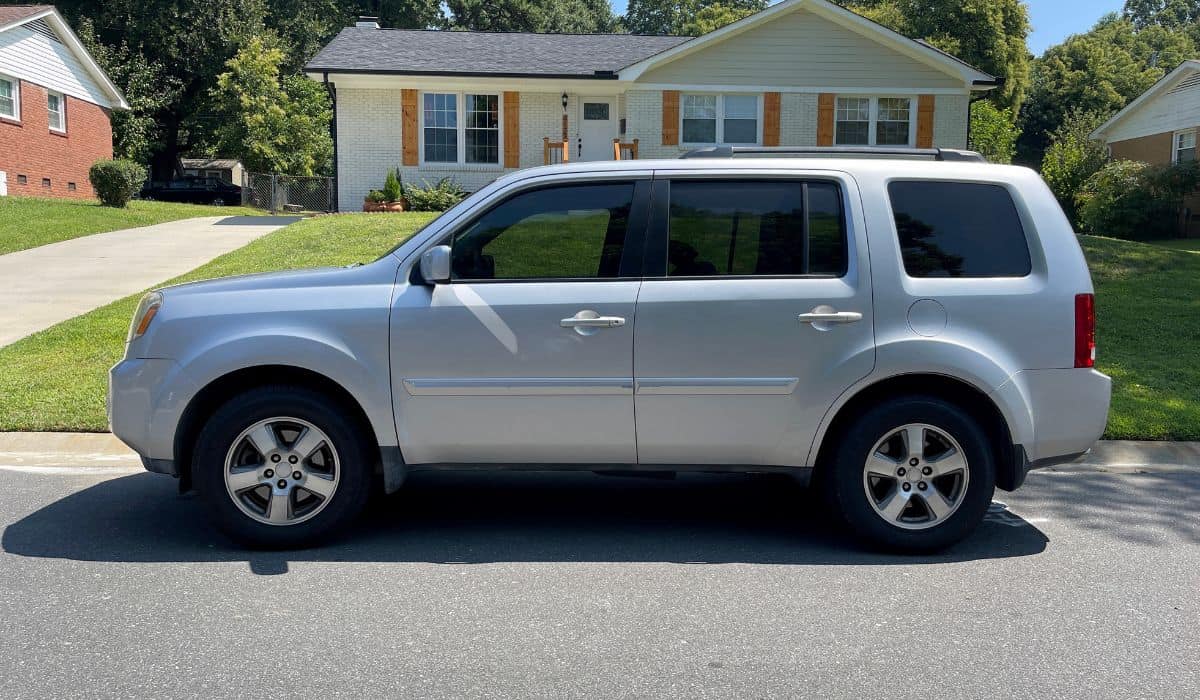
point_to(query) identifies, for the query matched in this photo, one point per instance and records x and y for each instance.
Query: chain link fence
(288, 193)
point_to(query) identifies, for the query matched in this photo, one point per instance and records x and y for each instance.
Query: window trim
(658, 231)
(1175, 149)
(16, 98)
(62, 111)
(460, 129)
(720, 131)
(873, 119)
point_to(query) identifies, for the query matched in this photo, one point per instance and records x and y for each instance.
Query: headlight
(146, 311)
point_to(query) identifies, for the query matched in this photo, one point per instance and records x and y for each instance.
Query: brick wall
(950, 118)
(29, 148)
(1156, 149)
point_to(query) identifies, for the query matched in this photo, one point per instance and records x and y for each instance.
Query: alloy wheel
(282, 471)
(916, 476)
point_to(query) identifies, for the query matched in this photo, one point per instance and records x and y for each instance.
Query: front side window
(564, 232)
(759, 227)
(1185, 147)
(958, 229)
(731, 119)
(873, 121)
(8, 98)
(441, 127)
(58, 114)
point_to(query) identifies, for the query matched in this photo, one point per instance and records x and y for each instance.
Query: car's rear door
(526, 355)
(754, 316)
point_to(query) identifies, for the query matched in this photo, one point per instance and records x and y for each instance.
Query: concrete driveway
(49, 284)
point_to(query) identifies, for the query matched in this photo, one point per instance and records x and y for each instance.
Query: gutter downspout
(329, 88)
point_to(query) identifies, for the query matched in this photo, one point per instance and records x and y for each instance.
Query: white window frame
(1175, 148)
(460, 103)
(16, 98)
(62, 111)
(758, 118)
(873, 119)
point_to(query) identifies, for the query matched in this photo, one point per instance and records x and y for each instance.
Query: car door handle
(831, 317)
(592, 322)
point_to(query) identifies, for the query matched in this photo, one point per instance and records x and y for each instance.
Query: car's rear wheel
(912, 474)
(282, 467)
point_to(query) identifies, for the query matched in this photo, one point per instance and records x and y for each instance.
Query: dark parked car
(194, 190)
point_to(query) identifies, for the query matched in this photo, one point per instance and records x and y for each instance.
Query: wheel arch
(957, 391)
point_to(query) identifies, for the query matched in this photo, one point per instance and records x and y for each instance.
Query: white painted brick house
(474, 105)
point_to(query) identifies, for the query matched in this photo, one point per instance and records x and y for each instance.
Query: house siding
(29, 148)
(769, 55)
(27, 55)
(1177, 110)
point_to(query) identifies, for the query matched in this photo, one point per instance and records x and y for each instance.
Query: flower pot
(369, 206)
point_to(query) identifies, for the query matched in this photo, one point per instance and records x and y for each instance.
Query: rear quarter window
(958, 229)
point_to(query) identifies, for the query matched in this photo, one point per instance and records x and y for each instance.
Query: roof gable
(46, 27)
(1183, 78)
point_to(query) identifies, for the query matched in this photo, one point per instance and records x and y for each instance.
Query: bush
(1136, 201)
(1072, 158)
(993, 133)
(376, 197)
(439, 197)
(116, 181)
(393, 191)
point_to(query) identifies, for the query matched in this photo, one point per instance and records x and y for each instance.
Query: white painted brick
(950, 121)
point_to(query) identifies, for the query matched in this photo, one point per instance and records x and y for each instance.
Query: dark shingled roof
(12, 13)
(429, 52)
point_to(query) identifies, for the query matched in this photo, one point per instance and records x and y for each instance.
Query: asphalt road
(1086, 586)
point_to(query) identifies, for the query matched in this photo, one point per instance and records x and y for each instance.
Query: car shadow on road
(475, 518)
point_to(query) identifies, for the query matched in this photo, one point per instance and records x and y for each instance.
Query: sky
(1053, 20)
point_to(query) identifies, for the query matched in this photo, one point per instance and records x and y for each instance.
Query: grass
(1189, 244)
(1148, 337)
(57, 379)
(1148, 306)
(28, 222)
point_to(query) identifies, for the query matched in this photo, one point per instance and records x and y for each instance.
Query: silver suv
(907, 332)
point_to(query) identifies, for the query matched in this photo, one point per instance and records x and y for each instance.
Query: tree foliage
(1073, 157)
(273, 123)
(1174, 14)
(993, 132)
(566, 16)
(988, 34)
(682, 17)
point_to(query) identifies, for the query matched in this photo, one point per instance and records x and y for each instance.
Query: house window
(71, 187)
(22, 179)
(56, 108)
(45, 182)
(474, 139)
(10, 98)
(873, 121)
(1185, 146)
(729, 119)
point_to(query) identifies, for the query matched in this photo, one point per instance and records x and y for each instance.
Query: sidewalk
(89, 450)
(51, 283)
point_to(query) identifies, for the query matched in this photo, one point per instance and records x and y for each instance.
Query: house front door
(597, 128)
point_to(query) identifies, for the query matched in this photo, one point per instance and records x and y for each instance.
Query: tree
(1100, 71)
(988, 34)
(273, 124)
(565, 16)
(714, 17)
(993, 132)
(1174, 14)
(671, 16)
(1073, 157)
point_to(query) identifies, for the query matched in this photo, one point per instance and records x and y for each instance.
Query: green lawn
(1189, 244)
(28, 222)
(1148, 309)
(57, 379)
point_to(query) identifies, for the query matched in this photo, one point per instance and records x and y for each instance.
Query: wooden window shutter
(771, 119)
(512, 129)
(408, 126)
(670, 117)
(925, 107)
(825, 103)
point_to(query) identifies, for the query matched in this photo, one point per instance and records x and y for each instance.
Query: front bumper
(146, 398)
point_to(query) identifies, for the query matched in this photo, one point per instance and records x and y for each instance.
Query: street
(1084, 585)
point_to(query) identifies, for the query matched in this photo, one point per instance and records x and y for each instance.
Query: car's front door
(526, 355)
(755, 315)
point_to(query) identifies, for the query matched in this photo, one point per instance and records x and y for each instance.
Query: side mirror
(435, 264)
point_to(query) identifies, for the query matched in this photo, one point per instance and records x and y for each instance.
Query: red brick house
(55, 104)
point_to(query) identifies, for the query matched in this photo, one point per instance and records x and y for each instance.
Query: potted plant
(390, 198)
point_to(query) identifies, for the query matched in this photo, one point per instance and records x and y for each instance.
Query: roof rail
(940, 154)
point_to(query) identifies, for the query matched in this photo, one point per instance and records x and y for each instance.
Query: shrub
(993, 133)
(376, 197)
(116, 181)
(393, 190)
(1072, 158)
(1136, 201)
(438, 197)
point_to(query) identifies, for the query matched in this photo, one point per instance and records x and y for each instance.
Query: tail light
(1085, 330)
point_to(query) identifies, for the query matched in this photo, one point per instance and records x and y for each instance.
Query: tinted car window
(573, 231)
(959, 229)
(744, 227)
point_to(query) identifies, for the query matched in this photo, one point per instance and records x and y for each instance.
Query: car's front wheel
(281, 467)
(912, 474)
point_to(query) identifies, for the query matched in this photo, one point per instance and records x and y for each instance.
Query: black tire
(842, 478)
(350, 440)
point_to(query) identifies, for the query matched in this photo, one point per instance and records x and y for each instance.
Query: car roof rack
(940, 154)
